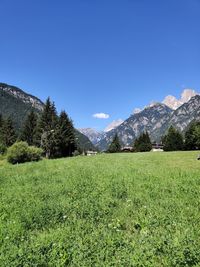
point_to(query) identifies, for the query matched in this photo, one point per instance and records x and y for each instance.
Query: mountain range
(16, 104)
(155, 118)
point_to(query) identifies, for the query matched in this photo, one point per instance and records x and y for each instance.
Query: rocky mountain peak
(187, 94)
(171, 102)
(186, 113)
(174, 103)
(156, 105)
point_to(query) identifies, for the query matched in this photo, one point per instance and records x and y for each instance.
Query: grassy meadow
(139, 209)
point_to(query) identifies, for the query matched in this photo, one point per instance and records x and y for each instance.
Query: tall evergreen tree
(46, 129)
(29, 128)
(191, 136)
(67, 140)
(173, 140)
(48, 118)
(143, 143)
(7, 132)
(197, 135)
(115, 145)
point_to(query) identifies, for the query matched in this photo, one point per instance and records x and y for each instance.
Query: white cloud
(101, 116)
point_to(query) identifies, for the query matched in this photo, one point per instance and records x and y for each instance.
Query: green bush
(76, 153)
(20, 152)
(35, 153)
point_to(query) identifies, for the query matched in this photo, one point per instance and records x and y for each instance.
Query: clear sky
(100, 56)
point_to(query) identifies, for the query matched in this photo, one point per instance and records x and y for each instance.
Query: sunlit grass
(108, 210)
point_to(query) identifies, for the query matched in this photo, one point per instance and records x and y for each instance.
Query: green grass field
(109, 210)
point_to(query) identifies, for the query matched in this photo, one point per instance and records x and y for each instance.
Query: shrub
(76, 153)
(20, 152)
(35, 153)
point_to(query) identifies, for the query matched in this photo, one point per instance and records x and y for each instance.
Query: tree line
(54, 133)
(172, 141)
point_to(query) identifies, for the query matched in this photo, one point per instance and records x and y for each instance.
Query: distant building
(157, 147)
(127, 149)
(91, 153)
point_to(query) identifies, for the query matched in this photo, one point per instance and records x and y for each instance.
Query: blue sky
(106, 56)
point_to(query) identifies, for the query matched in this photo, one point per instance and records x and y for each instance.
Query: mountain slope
(152, 119)
(16, 104)
(186, 113)
(84, 142)
(93, 135)
(113, 125)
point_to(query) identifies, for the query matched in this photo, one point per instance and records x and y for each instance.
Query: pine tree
(67, 140)
(173, 140)
(7, 132)
(142, 143)
(147, 142)
(197, 135)
(191, 136)
(136, 145)
(115, 145)
(49, 143)
(48, 117)
(29, 128)
(46, 131)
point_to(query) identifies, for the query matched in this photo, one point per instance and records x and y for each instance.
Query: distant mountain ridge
(155, 118)
(96, 136)
(151, 119)
(92, 134)
(16, 103)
